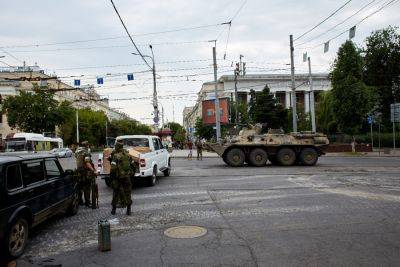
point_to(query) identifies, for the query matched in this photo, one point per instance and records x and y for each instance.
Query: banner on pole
(130, 77)
(305, 57)
(326, 47)
(352, 32)
(77, 82)
(100, 81)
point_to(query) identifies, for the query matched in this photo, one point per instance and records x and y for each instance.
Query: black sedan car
(33, 187)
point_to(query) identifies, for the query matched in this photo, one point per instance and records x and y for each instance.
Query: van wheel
(17, 237)
(235, 157)
(167, 171)
(74, 206)
(286, 156)
(308, 156)
(258, 157)
(153, 178)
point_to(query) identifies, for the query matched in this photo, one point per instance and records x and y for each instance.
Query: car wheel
(73, 206)
(235, 157)
(17, 237)
(152, 180)
(258, 157)
(167, 172)
(308, 156)
(286, 156)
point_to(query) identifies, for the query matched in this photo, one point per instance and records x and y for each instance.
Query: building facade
(279, 84)
(14, 80)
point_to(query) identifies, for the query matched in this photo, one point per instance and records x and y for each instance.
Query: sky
(86, 39)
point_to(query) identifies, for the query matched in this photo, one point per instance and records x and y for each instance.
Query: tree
(35, 111)
(204, 131)
(67, 128)
(268, 110)
(92, 126)
(178, 132)
(351, 97)
(382, 68)
(325, 115)
(127, 127)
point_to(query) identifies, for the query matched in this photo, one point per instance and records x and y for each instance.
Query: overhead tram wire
(130, 37)
(390, 2)
(340, 23)
(118, 37)
(320, 23)
(105, 47)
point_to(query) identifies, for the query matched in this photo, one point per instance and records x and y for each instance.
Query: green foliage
(127, 127)
(204, 131)
(268, 110)
(325, 116)
(67, 128)
(178, 132)
(92, 126)
(243, 114)
(351, 97)
(35, 111)
(382, 68)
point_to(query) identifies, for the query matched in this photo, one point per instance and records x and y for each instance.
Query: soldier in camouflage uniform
(86, 175)
(121, 171)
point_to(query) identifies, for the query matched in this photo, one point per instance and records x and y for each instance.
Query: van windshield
(15, 145)
(135, 142)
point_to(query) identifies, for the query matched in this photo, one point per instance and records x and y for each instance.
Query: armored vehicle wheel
(286, 156)
(308, 156)
(258, 157)
(235, 157)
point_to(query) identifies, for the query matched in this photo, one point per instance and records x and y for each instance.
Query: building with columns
(279, 84)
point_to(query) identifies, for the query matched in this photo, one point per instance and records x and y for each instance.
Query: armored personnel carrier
(256, 149)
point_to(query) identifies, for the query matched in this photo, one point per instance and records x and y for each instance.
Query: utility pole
(294, 112)
(236, 73)
(77, 127)
(106, 131)
(155, 102)
(312, 104)
(162, 120)
(173, 112)
(217, 111)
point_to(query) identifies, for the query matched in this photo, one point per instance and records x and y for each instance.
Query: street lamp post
(155, 101)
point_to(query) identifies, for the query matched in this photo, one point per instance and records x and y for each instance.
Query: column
(306, 101)
(287, 99)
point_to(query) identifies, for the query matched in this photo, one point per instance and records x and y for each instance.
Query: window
(155, 143)
(32, 172)
(13, 177)
(52, 170)
(160, 144)
(136, 142)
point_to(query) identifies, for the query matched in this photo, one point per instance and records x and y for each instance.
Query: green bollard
(104, 235)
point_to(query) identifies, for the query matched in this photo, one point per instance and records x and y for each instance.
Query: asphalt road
(345, 211)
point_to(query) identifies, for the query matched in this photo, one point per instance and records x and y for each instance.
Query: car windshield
(135, 142)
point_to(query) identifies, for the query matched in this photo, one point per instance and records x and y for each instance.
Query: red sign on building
(208, 108)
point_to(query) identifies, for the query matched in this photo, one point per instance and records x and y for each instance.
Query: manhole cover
(185, 232)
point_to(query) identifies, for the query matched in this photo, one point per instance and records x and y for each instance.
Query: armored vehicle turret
(249, 146)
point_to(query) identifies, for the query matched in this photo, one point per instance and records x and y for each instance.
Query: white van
(149, 154)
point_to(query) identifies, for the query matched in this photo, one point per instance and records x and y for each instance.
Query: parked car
(33, 188)
(62, 152)
(149, 155)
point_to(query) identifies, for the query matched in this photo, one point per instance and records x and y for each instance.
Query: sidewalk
(183, 154)
(177, 153)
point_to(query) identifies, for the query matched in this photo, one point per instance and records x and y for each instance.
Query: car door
(15, 194)
(163, 153)
(37, 188)
(55, 180)
(157, 154)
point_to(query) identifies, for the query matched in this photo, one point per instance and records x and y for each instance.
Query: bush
(386, 139)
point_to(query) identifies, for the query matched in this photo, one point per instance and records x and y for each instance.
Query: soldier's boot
(128, 210)
(114, 209)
